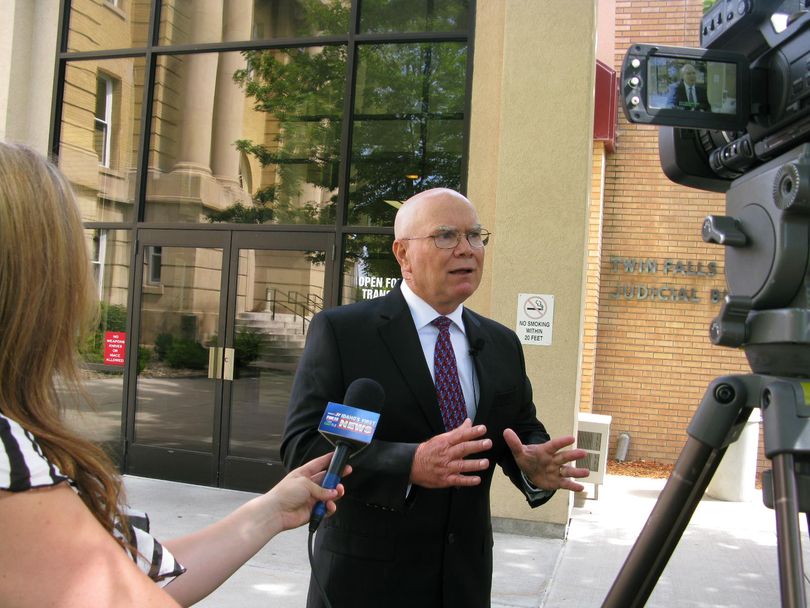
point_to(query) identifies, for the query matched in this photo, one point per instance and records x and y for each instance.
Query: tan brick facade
(653, 284)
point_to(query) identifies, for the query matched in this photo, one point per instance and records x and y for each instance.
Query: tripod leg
(786, 419)
(787, 532)
(722, 413)
(665, 526)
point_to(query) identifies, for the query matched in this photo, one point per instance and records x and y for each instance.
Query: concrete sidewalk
(726, 557)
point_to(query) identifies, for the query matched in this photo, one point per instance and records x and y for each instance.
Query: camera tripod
(767, 238)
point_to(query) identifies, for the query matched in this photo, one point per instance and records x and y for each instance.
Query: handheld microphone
(349, 429)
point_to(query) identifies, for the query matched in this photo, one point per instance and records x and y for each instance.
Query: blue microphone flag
(350, 424)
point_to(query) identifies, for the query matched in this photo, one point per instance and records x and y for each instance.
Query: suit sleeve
(531, 431)
(381, 471)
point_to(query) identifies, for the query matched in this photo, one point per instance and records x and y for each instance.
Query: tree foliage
(407, 123)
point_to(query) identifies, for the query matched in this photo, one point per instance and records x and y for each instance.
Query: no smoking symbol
(535, 308)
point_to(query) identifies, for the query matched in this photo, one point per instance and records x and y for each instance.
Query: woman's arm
(54, 553)
(213, 554)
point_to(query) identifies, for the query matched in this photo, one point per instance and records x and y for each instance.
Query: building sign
(672, 290)
(115, 346)
(535, 318)
(374, 287)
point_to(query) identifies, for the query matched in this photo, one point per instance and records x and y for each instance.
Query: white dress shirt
(423, 314)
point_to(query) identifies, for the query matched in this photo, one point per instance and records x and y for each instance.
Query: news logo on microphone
(345, 423)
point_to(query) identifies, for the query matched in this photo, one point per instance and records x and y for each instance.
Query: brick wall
(593, 274)
(654, 275)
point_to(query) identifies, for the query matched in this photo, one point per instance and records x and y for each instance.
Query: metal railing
(295, 303)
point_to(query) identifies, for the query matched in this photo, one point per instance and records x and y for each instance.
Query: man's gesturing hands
(440, 461)
(548, 465)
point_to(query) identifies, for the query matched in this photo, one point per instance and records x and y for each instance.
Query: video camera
(737, 116)
(753, 73)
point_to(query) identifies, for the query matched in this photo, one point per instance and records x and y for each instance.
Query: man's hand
(439, 462)
(547, 465)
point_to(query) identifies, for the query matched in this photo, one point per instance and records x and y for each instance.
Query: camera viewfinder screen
(691, 85)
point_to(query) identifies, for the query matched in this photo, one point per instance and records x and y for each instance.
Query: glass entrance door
(276, 292)
(221, 324)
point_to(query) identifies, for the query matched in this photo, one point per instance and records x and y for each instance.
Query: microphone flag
(349, 429)
(348, 424)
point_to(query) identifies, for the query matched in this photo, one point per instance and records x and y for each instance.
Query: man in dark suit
(414, 526)
(688, 94)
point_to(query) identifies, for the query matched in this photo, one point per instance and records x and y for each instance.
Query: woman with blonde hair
(67, 538)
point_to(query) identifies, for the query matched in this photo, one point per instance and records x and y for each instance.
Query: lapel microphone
(476, 347)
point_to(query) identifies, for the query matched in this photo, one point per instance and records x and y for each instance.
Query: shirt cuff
(533, 491)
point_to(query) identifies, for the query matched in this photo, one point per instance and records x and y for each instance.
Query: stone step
(286, 318)
(271, 327)
(271, 350)
(284, 340)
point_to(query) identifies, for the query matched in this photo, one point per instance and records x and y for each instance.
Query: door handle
(215, 363)
(227, 371)
(220, 363)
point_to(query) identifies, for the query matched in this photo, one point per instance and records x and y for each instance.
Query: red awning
(604, 111)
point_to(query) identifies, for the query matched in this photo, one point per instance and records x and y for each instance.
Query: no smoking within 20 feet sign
(535, 318)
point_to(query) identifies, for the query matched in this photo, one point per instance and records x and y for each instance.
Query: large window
(318, 114)
(250, 137)
(291, 115)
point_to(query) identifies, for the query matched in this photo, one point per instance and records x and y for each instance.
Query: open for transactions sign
(535, 318)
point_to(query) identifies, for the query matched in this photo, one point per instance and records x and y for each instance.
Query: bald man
(688, 93)
(414, 527)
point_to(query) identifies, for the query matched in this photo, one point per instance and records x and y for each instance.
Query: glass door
(221, 321)
(276, 292)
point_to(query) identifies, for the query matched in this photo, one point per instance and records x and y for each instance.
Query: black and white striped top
(23, 466)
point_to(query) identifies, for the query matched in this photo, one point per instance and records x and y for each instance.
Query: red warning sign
(115, 347)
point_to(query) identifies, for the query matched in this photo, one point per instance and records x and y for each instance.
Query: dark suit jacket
(677, 97)
(386, 546)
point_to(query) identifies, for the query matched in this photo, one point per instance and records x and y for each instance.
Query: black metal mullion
(427, 64)
(59, 80)
(135, 273)
(411, 37)
(260, 45)
(223, 396)
(342, 210)
(465, 145)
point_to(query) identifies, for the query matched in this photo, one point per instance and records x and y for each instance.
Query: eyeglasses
(449, 239)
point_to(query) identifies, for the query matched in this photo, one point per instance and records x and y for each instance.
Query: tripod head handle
(766, 233)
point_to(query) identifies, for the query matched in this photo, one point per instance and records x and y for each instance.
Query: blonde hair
(46, 306)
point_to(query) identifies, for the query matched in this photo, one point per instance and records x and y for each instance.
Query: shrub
(187, 354)
(162, 345)
(248, 346)
(144, 356)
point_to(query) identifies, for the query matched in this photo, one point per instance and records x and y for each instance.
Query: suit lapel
(478, 339)
(398, 333)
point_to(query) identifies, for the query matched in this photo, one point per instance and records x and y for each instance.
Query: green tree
(407, 126)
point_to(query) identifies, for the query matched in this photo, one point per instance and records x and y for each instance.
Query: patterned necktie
(448, 387)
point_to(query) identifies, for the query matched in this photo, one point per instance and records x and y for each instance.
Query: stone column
(196, 116)
(229, 100)
(531, 136)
